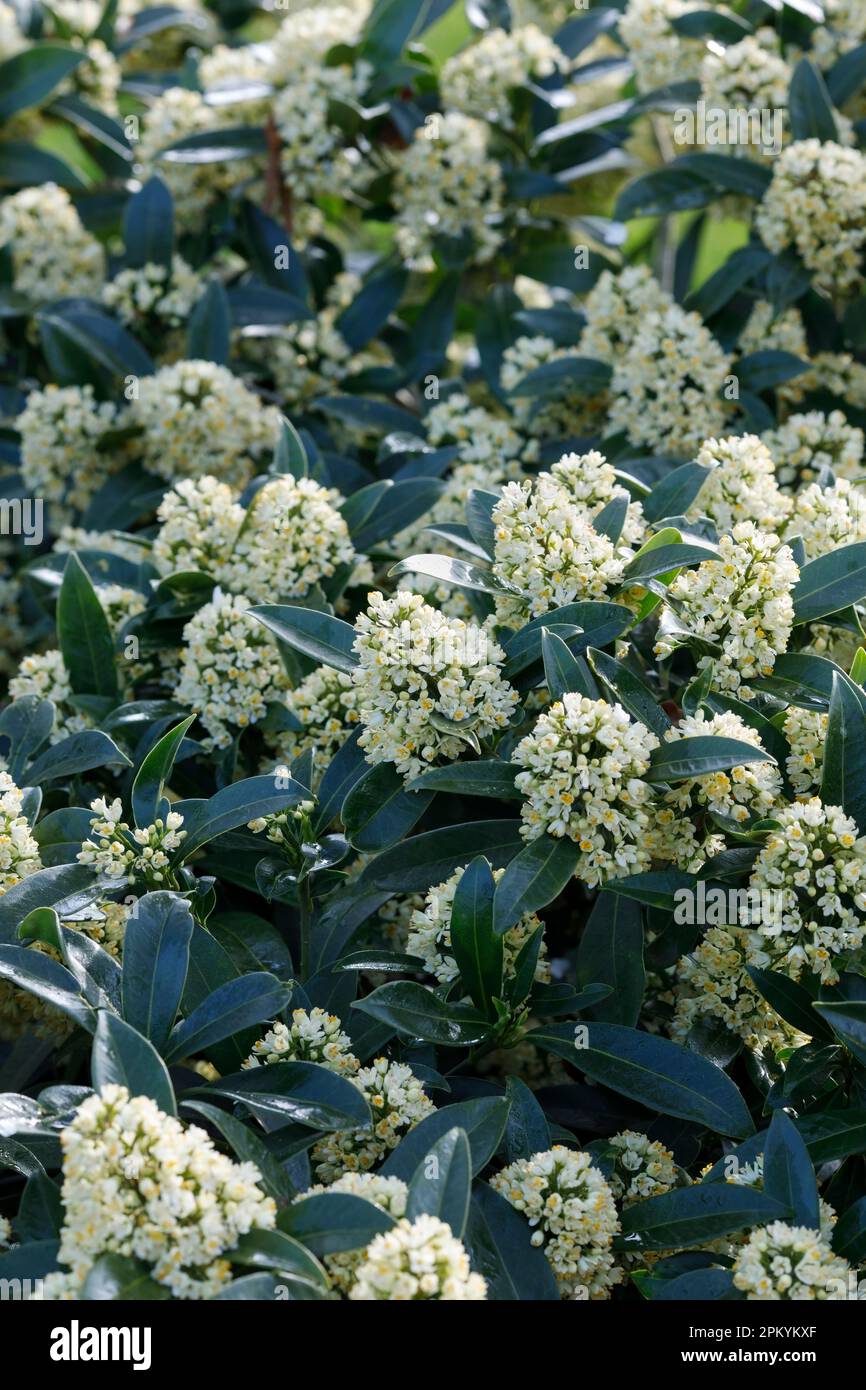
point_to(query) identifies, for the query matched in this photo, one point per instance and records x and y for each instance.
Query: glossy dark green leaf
(848, 1021)
(234, 806)
(843, 775)
(789, 1177)
(630, 691)
(84, 635)
(327, 640)
(791, 1001)
(442, 1182)
(330, 1222)
(696, 1215)
(461, 573)
(564, 672)
(657, 1073)
(148, 789)
(302, 1093)
(31, 75)
(48, 980)
(498, 1239)
(810, 109)
(830, 582)
(533, 878)
(120, 1279)
(424, 860)
(416, 1011)
(209, 327)
(482, 1120)
(487, 777)
(155, 963)
(527, 1131)
(122, 1057)
(379, 811)
(611, 953)
(78, 753)
(148, 226)
(684, 758)
(247, 1147)
(476, 947)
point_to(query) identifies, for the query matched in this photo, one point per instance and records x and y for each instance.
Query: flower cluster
(53, 256)
(827, 517)
(816, 864)
(583, 764)
(430, 934)
(293, 537)
(154, 296)
(806, 444)
(642, 1167)
(425, 683)
(416, 1260)
(137, 1183)
(479, 80)
(390, 1194)
(121, 853)
(397, 1103)
(314, 1036)
(806, 731)
(741, 485)
(448, 187)
(61, 429)
(200, 520)
(740, 603)
(780, 1262)
(176, 114)
(325, 704)
(197, 417)
(712, 982)
(19, 852)
(814, 203)
(659, 54)
(573, 1216)
(229, 670)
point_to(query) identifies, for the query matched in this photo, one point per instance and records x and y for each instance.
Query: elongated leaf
(415, 1011)
(78, 753)
(630, 691)
(327, 640)
(30, 76)
(379, 811)
(155, 963)
(148, 226)
(684, 758)
(147, 790)
(527, 1131)
(486, 777)
(48, 980)
(329, 1222)
(564, 672)
(235, 1005)
(499, 1243)
(247, 1147)
(122, 1057)
(843, 778)
(697, 1215)
(424, 860)
(611, 953)
(304, 1093)
(657, 1073)
(789, 1177)
(476, 947)
(848, 1021)
(831, 582)
(84, 635)
(442, 1182)
(233, 806)
(533, 878)
(119, 1279)
(482, 1120)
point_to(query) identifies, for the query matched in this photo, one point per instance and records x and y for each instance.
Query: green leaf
(40, 1213)
(25, 724)
(148, 789)
(234, 806)
(798, 679)
(379, 811)
(847, 76)
(533, 878)
(657, 1073)
(831, 582)
(848, 1021)
(834, 1134)
(372, 306)
(119, 1279)
(442, 1182)
(290, 455)
(630, 691)
(417, 1012)
(810, 109)
(527, 1131)
(563, 672)
(210, 326)
(29, 77)
(684, 758)
(326, 640)
(658, 888)
(650, 563)
(424, 860)
(48, 980)
(695, 1215)
(611, 953)
(598, 624)
(791, 1001)
(155, 963)
(122, 1057)
(849, 1234)
(330, 1222)
(488, 777)
(482, 1119)
(75, 754)
(148, 226)
(275, 1250)
(843, 779)
(462, 573)
(498, 1239)
(248, 1148)
(476, 947)
(789, 1177)
(237, 1004)
(303, 1093)
(215, 146)
(676, 492)
(84, 635)
(70, 886)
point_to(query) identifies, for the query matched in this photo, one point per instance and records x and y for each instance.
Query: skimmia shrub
(433, 628)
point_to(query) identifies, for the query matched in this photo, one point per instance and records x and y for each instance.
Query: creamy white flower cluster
(666, 390)
(573, 1216)
(397, 1101)
(547, 551)
(154, 295)
(565, 413)
(230, 670)
(326, 704)
(583, 764)
(389, 1194)
(781, 1262)
(53, 255)
(425, 683)
(739, 794)
(816, 865)
(416, 1260)
(198, 417)
(805, 730)
(827, 517)
(314, 1036)
(804, 444)
(712, 981)
(615, 307)
(741, 486)
(19, 852)
(136, 1182)
(60, 429)
(119, 852)
(45, 675)
(430, 934)
(751, 75)
(293, 536)
(200, 519)
(740, 601)
(642, 1167)
(815, 203)
(480, 79)
(659, 54)
(447, 185)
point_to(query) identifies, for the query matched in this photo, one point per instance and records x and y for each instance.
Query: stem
(305, 916)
